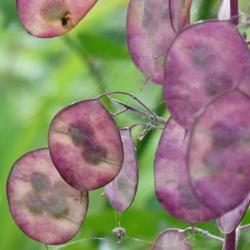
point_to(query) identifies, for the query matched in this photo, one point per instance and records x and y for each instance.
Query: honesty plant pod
(121, 191)
(219, 153)
(231, 220)
(173, 188)
(179, 13)
(200, 67)
(149, 34)
(85, 145)
(50, 18)
(44, 207)
(172, 239)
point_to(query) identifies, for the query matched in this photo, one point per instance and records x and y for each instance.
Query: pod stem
(205, 234)
(234, 11)
(230, 241)
(149, 113)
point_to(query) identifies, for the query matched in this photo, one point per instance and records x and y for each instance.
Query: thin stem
(230, 241)
(205, 233)
(120, 112)
(153, 115)
(244, 227)
(79, 50)
(188, 5)
(234, 11)
(128, 107)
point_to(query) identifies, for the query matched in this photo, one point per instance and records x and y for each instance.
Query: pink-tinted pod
(85, 145)
(206, 60)
(173, 187)
(51, 18)
(231, 220)
(149, 35)
(172, 239)
(179, 13)
(121, 191)
(245, 83)
(43, 206)
(219, 153)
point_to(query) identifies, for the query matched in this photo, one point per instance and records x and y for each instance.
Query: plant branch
(234, 11)
(205, 233)
(244, 227)
(230, 241)
(130, 108)
(151, 115)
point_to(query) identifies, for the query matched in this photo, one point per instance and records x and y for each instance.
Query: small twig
(82, 240)
(244, 227)
(128, 107)
(205, 233)
(120, 112)
(153, 115)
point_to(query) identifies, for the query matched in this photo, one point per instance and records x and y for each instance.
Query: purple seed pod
(85, 145)
(173, 187)
(51, 18)
(121, 191)
(219, 153)
(206, 60)
(172, 239)
(43, 206)
(179, 13)
(231, 220)
(149, 35)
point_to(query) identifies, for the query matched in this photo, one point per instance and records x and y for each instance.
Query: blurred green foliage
(38, 77)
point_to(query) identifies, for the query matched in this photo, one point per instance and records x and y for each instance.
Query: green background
(40, 76)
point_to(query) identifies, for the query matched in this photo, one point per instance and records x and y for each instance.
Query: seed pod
(85, 145)
(173, 187)
(43, 206)
(149, 35)
(219, 153)
(121, 191)
(50, 18)
(231, 220)
(200, 67)
(172, 239)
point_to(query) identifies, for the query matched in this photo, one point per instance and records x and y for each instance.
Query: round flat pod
(42, 204)
(219, 153)
(85, 145)
(121, 191)
(172, 239)
(231, 220)
(172, 184)
(149, 35)
(205, 60)
(51, 18)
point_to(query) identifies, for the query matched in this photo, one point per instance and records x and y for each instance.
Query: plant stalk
(234, 11)
(230, 241)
